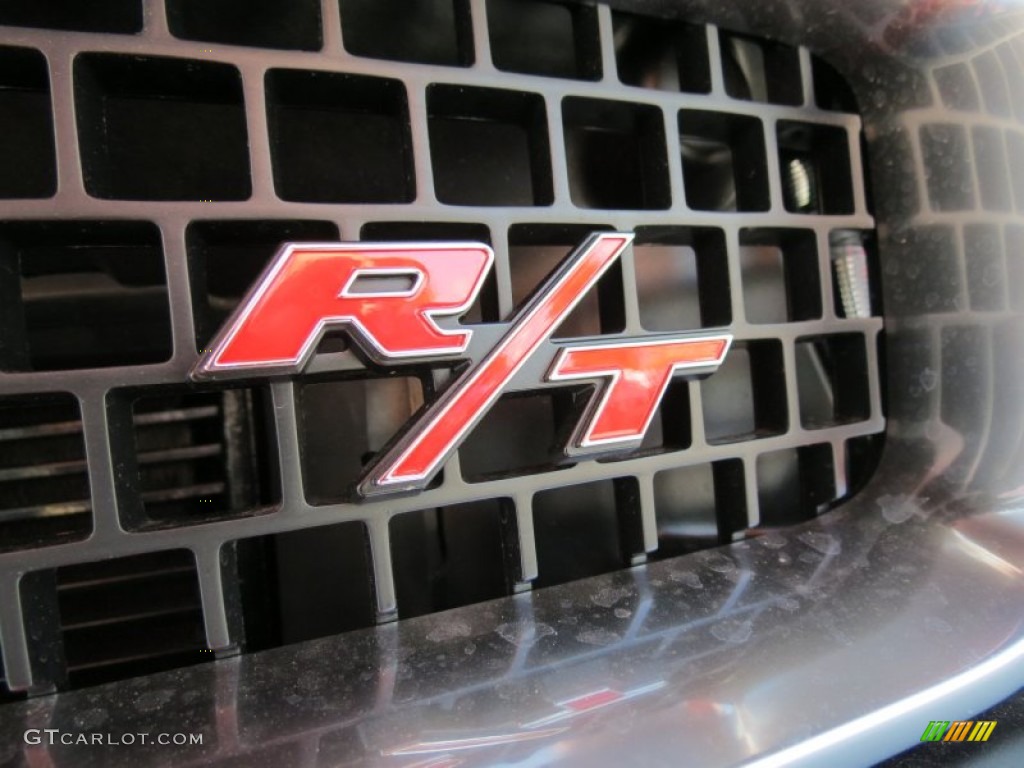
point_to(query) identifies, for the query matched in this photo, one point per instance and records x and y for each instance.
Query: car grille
(155, 159)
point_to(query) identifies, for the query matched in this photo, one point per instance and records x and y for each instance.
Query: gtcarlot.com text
(54, 736)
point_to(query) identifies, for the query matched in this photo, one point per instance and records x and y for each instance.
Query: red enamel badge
(400, 303)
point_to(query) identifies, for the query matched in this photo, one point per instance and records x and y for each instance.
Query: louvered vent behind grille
(195, 457)
(129, 616)
(44, 484)
(194, 460)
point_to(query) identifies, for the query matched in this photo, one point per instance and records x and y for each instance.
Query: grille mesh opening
(831, 91)
(489, 147)
(28, 167)
(863, 455)
(724, 162)
(682, 277)
(699, 506)
(747, 396)
(277, 571)
(129, 616)
(519, 436)
(957, 87)
(924, 252)
(161, 129)
(117, 16)
(794, 484)
(450, 556)
(543, 38)
(816, 161)
(44, 484)
(684, 502)
(263, 23)
(832, 380)
(992, 84)
(780, 275)
(616, 154)
(198, 456)
(991, 168)
(578, 529)
(82, 295)
(759, 70)
(344, 423)
(339, 138)
(668, 56)
(427, 32)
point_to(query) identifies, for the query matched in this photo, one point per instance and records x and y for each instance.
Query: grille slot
(794, 484)
(831, 91)
(269, 24)
(760, 70)
(616, 154)
(542, 38)
(429, 32)
(953, 188)
(747, 398)
(196, 458)
(274, 578)
(89, 294)
(118, 16)
(129, 616)
(518, 436)
(698, 506)
(414, 124)
(781, 282)
(339, 138)
(654, 53)
(44, 484)
(488, 147)
(682, 278)
(580, 529)
(27, 163)
(823, 154)
(344, 423)
(724, 164)
(990, 161)
(452, 556)
(161, 129)
(832, 380)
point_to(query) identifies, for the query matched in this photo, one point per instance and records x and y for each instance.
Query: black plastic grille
(188, 152)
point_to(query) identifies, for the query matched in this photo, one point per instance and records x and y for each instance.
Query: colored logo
(959, 730)
(401, 302)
